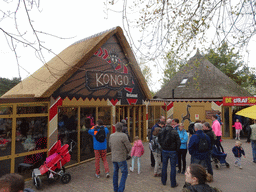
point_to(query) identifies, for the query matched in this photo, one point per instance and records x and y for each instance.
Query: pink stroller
(53, 166)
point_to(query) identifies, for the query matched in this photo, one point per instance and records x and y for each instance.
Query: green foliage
(174, 64)
(230, 62)
(7, 84)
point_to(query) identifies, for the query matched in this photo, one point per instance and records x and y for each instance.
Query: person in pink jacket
(238, 127)
(137, 152)
(216, 128)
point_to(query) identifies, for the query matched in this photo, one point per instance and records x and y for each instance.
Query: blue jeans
(254, 150)
(123, 166)
(138, 162)
(172, 155)
(205, 163)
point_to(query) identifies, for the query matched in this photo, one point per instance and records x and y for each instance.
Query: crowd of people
(168, 140)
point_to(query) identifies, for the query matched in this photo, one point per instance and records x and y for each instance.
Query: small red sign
(239, 101)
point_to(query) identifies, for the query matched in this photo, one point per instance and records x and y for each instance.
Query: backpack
(154, 145)
(101, 135)
(203, 144)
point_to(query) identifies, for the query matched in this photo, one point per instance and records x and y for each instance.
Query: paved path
(227, 179)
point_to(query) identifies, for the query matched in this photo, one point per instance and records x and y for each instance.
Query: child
(238, 127)
(238, 152)
(137, 152)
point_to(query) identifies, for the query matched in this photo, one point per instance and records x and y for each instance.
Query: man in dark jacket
(158, 124)
(208, 131)
(170, 142)
(197, 156)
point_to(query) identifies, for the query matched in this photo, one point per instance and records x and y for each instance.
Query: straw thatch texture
(205, 81)
(53, 74)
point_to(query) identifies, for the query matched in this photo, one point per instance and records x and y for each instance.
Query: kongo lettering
(113, 80)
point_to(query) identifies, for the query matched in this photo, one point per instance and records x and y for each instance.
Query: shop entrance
(135, 117)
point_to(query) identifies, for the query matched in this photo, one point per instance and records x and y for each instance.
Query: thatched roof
(204, 81)
(53, 74)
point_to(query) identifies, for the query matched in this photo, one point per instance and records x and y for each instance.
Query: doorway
(135, 117)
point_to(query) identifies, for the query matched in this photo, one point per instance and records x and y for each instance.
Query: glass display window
(67, 129)
(5, 136)
(5, 167)
(31, 134)
(32, 108)
(87, 121)
(5, 110)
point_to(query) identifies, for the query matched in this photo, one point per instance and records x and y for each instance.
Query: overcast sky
(63, 18)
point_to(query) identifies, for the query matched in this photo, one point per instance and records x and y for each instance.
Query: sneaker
(97, 176)
(155, 174)
(183, 172)
(254, 161)
(131, 169)
(240, 167)
(178, 171)
(139, 172)
(107, 175)
(236, 165)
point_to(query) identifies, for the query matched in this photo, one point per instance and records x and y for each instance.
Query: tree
(7, 84)
(230, 62)
(173, 65)
(184, 24)
(20, 31)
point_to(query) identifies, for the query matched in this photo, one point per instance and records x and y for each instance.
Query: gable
(204, 81)
(108, 74)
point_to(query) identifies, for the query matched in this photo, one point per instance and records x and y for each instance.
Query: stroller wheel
(65, 178)
(37, 182)
(227, 165)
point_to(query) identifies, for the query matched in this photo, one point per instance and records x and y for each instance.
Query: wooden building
(95, 78)
(197, 91)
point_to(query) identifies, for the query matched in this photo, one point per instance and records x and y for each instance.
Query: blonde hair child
(238, 151)
(136, 153)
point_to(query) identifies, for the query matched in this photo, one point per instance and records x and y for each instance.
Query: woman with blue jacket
(183, 148)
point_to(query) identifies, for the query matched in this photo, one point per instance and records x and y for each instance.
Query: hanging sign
(238, 101)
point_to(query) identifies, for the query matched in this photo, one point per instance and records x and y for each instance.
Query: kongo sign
(239, 101)
(96, 80)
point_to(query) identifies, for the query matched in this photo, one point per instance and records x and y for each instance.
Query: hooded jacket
(137, 149)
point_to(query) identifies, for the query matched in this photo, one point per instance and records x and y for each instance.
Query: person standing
(125, 128)
(157, 150)
(170, 142)
(100, 146)
(199, 148)
(238, 127)
(136, 153)
(252, 139)
(158, 124)
(120, 147)
(208, 131)
(175, 124)
(217, 130)
(183, 148)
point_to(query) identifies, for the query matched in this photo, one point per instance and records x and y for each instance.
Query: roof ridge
(92, 36)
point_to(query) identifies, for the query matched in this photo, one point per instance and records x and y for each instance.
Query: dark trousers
(182, 156)
(152, 159)
(218, 144)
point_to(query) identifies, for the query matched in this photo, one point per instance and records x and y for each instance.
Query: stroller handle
(72, 145)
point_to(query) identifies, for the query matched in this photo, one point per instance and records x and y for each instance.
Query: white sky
(64, 18)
